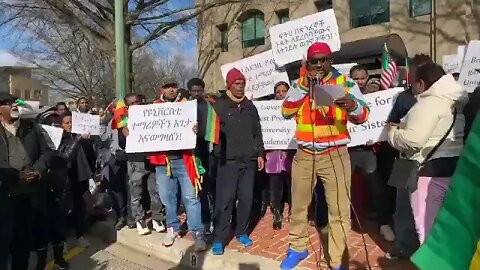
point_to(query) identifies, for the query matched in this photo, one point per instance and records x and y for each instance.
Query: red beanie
(318, 48)
(233, 75)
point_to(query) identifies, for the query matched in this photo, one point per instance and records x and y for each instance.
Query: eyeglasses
(316, 61)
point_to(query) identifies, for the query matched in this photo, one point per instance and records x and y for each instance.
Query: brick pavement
(273, 244)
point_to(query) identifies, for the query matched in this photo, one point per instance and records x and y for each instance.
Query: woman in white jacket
(440, 99)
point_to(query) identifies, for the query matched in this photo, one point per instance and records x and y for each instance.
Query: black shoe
(59, 262)
(263, 209)
(277, 219)
(131, 224)
(61, 265)
(121, 222)
(41, 259)
(396, 254)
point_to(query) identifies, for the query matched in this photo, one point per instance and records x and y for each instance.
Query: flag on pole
(120, 115)
(454, 241)
(389, 69)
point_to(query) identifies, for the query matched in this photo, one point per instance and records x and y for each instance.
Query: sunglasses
(316, 61)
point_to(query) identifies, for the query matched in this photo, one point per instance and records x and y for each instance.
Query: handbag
(404, 173)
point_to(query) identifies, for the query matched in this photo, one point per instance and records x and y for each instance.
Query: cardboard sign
(84, 123)
(470, 72)
(162, 127)
(261, 74)
(381, 103)
(278, 132)
(291, 40)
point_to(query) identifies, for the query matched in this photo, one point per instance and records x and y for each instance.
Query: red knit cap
(233, 75)
(318, 48)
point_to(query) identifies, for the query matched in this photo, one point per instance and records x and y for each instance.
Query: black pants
(234, 186)
(50, 222)
(383, 196)
(279, 188)
(117, 188)
(16, 232)
(78, 215)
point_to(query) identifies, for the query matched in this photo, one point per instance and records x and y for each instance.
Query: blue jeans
(168, 190)
(406, 235)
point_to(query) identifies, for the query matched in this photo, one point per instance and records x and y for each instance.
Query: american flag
(389, 69)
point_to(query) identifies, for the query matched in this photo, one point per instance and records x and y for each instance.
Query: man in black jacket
(24, 154)
(239, 153)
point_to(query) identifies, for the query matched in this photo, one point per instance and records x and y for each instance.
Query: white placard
(53, 135)
(261, 74)
(450, 63)
(30, 108)
(461, 50)
(344, 68)
(161, 127)
(277, 132)
(84, 123)
(291, 40)
(380, 103)
(470, 72)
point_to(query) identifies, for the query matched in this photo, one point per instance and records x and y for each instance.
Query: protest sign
(380, 103)
(261, 74)
(278, 133)
(461, 50)
(161, 127)
(53, 135)
(344, 68)
(470, 72)
(291, 40)
(450, 63)
(30, 109)
(84, 123)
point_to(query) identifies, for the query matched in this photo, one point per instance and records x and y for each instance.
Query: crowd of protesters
(44, 192)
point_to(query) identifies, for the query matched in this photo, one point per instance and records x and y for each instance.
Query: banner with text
(161, 127)
(451, 63)
(381, 103)
(470, 72)
(278, 133)
(291, 40)
(261, 74)
(84, 123)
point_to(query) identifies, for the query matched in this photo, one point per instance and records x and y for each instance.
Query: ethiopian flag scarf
(212, 131)
(453, 243)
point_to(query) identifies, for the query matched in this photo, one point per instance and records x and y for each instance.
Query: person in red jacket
(178, 169)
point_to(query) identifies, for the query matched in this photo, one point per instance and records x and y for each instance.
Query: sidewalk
(267, 251)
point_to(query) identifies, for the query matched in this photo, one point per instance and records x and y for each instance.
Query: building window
(26, 94)
(37, 94)
(368, 12)
(420, 7)
(17, 93)
(283, 16)
(253, 29)
(322, 5)
(223, 37)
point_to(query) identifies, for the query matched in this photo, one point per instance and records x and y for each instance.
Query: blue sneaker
(217, 248)
(245, 240)
(293, 259)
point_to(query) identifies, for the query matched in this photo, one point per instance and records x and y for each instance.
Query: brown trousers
(334, 171)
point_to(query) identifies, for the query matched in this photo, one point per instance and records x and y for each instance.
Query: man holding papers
(322, 138)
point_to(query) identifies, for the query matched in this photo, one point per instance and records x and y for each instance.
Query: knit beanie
(233, 75)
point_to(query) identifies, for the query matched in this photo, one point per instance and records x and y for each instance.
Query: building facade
(16, 78)
(231, 32)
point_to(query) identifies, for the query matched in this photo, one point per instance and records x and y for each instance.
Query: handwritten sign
(291, 40)
(53, 135)
(470, 72)
(84, 123)
(450, 63)
(381, 103)
(278, 133)
(261, 74)
(161, 127)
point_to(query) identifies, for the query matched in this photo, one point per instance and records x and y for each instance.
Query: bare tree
(146, 21)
